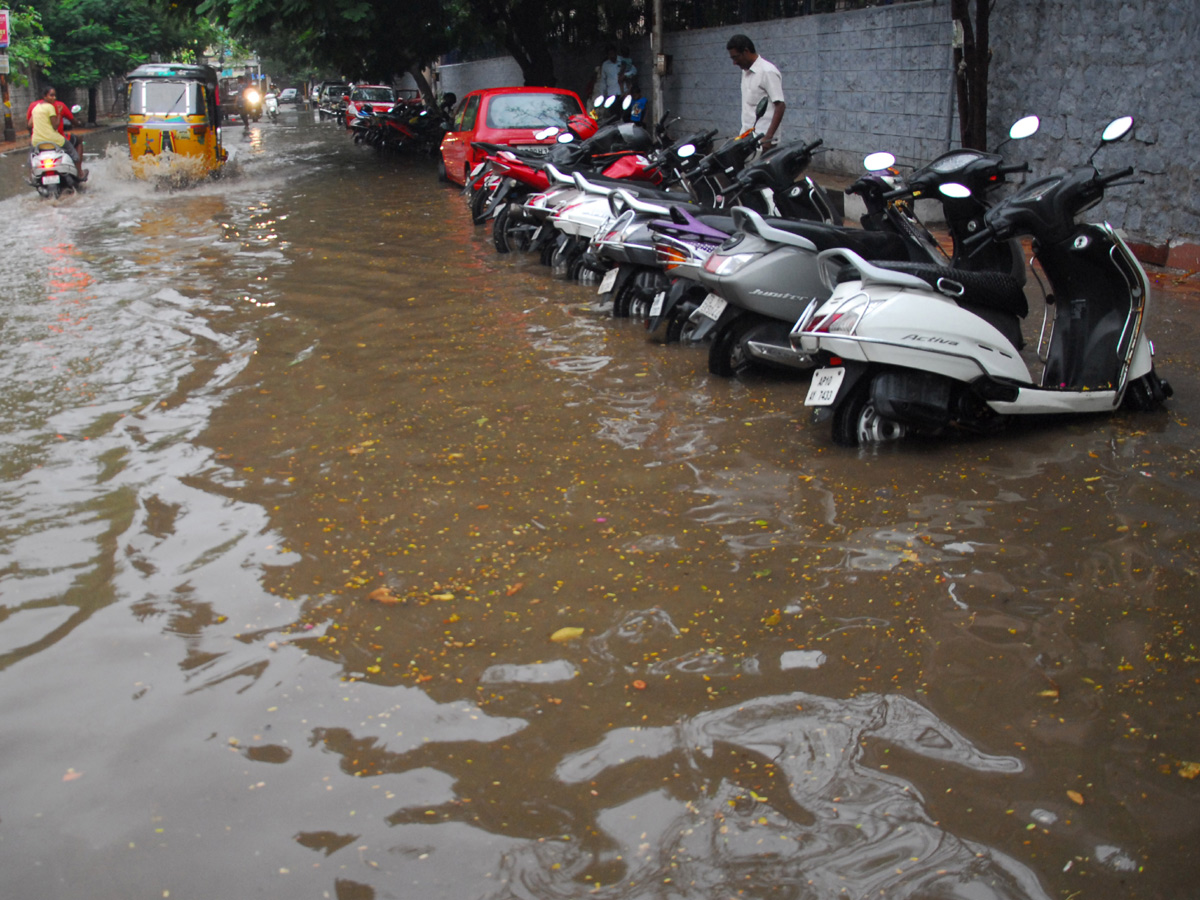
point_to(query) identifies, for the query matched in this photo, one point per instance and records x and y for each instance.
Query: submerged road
(342, 557)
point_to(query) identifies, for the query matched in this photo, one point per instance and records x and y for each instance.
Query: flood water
(344, 557)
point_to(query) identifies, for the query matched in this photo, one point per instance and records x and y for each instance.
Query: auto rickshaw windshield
(165, 98)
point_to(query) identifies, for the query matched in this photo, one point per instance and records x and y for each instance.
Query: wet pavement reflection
(343, 557)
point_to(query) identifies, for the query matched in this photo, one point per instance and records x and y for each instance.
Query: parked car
(315, 96)
(289, 95)
(507, 115)
(331, 100)
(376, 97)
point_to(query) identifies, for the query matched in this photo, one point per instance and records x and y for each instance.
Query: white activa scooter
(52, 172)
(917, 347)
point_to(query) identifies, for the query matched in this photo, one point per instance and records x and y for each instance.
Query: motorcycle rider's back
(44, 130)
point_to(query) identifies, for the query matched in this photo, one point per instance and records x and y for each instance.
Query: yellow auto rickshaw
(174, 114)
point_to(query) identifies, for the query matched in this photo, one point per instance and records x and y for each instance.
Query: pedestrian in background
(760, 78)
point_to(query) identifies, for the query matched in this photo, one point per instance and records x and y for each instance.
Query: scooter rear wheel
(727, 354)
(856, 421)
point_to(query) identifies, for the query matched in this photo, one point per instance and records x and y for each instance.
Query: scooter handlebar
(1115, 176)
(1015, 167)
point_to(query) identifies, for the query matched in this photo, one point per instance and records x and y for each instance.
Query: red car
(377, 97)
(507, 115)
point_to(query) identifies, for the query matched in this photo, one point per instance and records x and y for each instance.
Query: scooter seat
(718, 223)
(989, 290)
(639, 189)
(46, 145)
(870, 245)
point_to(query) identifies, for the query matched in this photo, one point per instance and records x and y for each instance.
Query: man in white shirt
(760, 78)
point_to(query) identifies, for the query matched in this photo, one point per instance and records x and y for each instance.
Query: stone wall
(880, 79)
(1081, 63)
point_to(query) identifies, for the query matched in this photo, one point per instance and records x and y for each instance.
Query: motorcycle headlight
(253, 96)
(718, 264)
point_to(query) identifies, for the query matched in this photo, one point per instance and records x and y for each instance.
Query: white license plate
(712, 307)
(496, 212)
(824, 387)
(478, 168)
(537, 233)
(50, 179)
(656, 307)
(610, 278)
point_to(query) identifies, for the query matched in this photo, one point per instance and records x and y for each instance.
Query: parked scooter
(631, 243)
(762, 279)
(922, 348)
(52, 172)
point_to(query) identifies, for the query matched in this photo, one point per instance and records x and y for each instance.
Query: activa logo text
(929, 339)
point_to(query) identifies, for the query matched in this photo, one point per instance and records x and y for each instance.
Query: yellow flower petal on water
(566, 634)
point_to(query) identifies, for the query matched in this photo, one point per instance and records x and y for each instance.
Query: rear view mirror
(955, 191)
(761, 109)
(1023, 128)
(1117, 129)
(877, 162)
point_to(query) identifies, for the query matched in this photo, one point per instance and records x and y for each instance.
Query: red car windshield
(372, 95)
(530, 110)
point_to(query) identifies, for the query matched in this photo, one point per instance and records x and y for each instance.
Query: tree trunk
(523, 26)
(93, 102)
(972, 60)
(418, 75)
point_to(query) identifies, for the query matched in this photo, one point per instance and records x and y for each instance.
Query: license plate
(656, 307)
(537, 233)
(610, 278)
(824, 387)
(478, 168)
(50, 179)
(712, 307)
(496, 212)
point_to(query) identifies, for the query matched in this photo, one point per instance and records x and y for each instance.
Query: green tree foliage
(365, 40)
(93, 39)
(29, 45)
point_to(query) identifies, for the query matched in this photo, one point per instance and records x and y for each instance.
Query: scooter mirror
(544, 134)
(877, 162)
(608, 104)
(686, 151)
(565, 138)
(1117, 129)
(627, 102)
(76, 108)
(954, 191)
(761, 109)
(1023, 128)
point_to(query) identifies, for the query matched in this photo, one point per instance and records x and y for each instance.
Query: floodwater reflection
(772, 797)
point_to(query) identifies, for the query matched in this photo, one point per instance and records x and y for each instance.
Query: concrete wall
(880, 79)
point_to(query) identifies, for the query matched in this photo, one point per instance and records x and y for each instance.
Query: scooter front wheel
(856, 421)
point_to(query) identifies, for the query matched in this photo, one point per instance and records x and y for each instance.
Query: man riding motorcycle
(249, 101)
